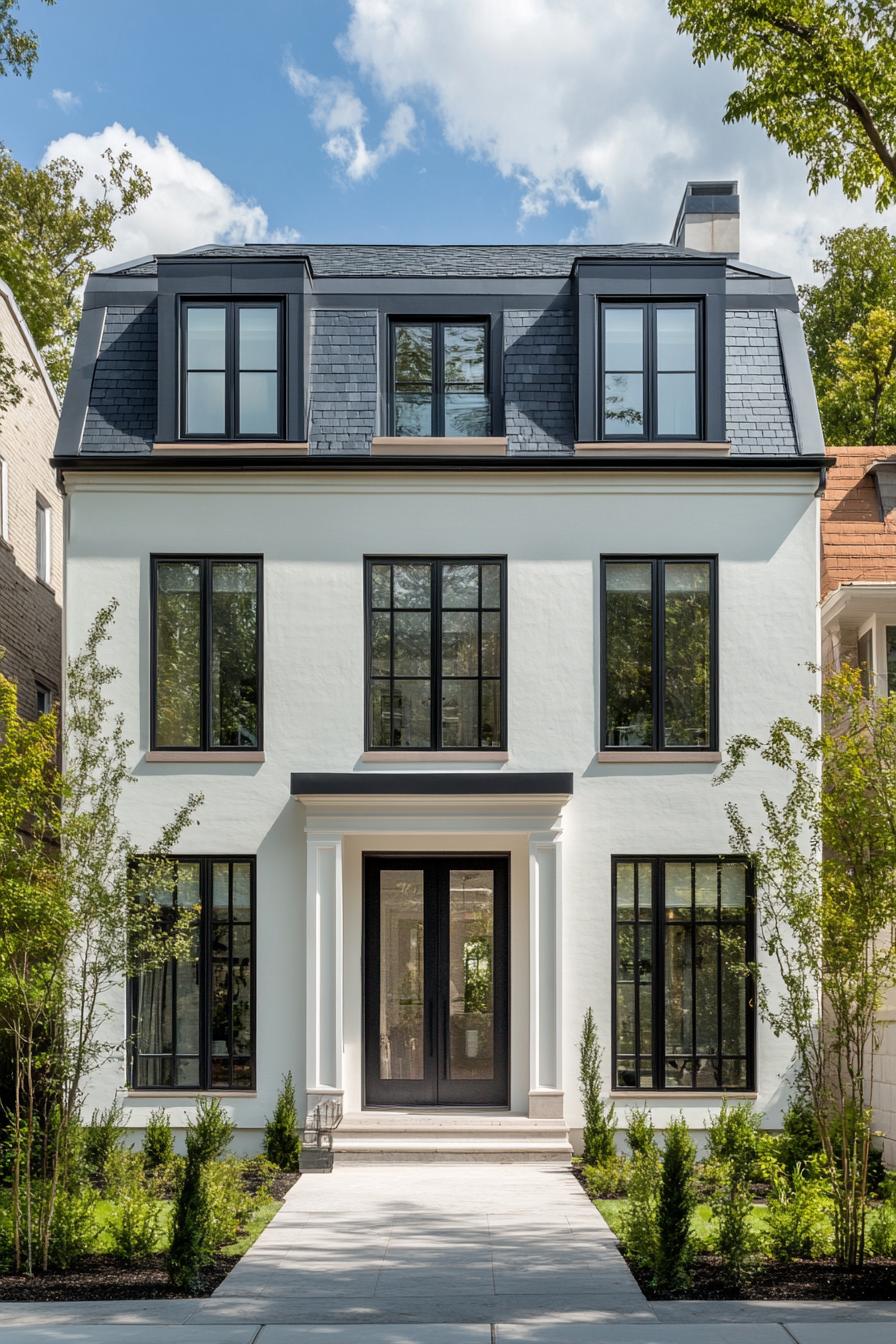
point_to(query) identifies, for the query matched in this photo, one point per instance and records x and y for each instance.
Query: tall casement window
(439, 382)
(43, 531)
(683, 1009)
(193, 1021)
(231, 370)
(650, 360)
(436, 654)
(206, 653)
(659, 665)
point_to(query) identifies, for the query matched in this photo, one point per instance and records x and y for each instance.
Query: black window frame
(657, 563)
(232, 306)
(205, 596)
(657, 924)
(435, 608)
(205, 863)
(437, 326)
(649, 433)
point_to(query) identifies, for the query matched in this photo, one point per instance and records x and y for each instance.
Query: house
(858, 614)
(445, 572)
(30, 522)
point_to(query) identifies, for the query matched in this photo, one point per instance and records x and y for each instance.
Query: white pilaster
(545, 978)
(324, 968)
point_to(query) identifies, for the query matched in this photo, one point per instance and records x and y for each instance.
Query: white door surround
(339, 831)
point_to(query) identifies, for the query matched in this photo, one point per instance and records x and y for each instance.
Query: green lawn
(613, 1210)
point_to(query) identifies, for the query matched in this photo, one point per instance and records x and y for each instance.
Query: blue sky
(403, 120)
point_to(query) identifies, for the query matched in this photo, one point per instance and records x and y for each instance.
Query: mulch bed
(802, 1280)
(100, 1278)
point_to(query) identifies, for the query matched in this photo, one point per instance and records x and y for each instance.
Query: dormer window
(232, 370)
(439, 384)
(649, 371)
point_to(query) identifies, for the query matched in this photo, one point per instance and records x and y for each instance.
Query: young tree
(819, 78)
(849, 318)
(599, 1133)
(49, 234)
(825, 869)
(78, 915)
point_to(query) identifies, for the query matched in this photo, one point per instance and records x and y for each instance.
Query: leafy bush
(799, 1211)
(282, 1137)
(230, 1205)
(607, 1180)
(259, 1175)
(191, 1248)
(73, 1229)
(599, 1134)
(211, 1130)
(733, 1142)
(640, 1232)
(123, 1170)
(640, 1131)
(158, 1142)
(799, 1140)
(677, 1201)
(732, 1134)
(882, 1229)
(102, 1136)
(136, 1220)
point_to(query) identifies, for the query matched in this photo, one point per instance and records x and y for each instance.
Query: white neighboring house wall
(313, 532)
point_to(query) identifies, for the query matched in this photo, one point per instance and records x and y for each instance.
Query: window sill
(247, 448)
(676, 1094)
(204, 757)
(659, 757)
(665, 448)
(44, 584)
(435, 757)
(185, 1094)
(405, 446)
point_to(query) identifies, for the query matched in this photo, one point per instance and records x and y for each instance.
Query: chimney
(709, 218)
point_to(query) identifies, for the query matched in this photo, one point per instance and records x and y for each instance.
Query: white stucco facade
(313, 532)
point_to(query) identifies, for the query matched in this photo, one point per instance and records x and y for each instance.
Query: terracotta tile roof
(856, 543)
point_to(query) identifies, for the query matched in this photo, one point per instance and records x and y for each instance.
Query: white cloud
(65, 100)
(189, 205)
(598, 106)
(340, 114)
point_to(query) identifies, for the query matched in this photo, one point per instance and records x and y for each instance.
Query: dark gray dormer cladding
(541, 306)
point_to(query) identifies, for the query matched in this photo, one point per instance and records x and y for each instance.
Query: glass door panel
(471, 960)
(401, 1043)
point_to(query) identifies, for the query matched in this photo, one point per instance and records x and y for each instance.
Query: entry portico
(516, 816)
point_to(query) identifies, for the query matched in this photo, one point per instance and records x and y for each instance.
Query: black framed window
(683, 1009)
(193, 1020)
(891, 659)
(440, 381)
(231, 369)
(206, 653)
(659, 653)
(436, 654)
(650, 370)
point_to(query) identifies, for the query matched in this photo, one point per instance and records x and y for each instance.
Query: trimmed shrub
(798, 1140)
(158, 1142)
(73, 1230)
(640, 1229)
(191, 1248)
(229, 1203)
(101, 1137)
(607, 1180)
(136, 1221)
(599, 1134)
(640, 1132)
(282, 1136)
(733, 1141)
(209, 1133)
(675, 1210)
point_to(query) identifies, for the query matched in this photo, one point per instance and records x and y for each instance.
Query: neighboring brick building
(30, 525)
(858, 617)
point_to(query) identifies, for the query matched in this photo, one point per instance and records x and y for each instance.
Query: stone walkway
(475, 1253)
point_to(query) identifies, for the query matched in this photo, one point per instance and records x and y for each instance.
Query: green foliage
(49, 236)
(191, 1248)
(733, 1143)
(18, 46)
(882, 1233)
(73, 1227)
(158, 1142)
(675, 1210)
(102, 1136)
(259, 1174)
(122, 1171)
(798, 1140)
(799, 1211)
(137, 1216)
(639, 1229)
(282, 1137)
(640, 1132)
(825, 927)
(599, 1134)
(229, 1203)
(210, 1130)
(608, 1179)
(817, 76)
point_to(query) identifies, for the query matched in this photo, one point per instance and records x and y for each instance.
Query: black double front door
(435, 981)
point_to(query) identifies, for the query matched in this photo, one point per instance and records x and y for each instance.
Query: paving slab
(827, 1332)
(376, 1334)
(102, 1333)
(579, 1332)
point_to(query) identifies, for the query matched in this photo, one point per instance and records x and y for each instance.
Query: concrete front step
(446, 1136)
